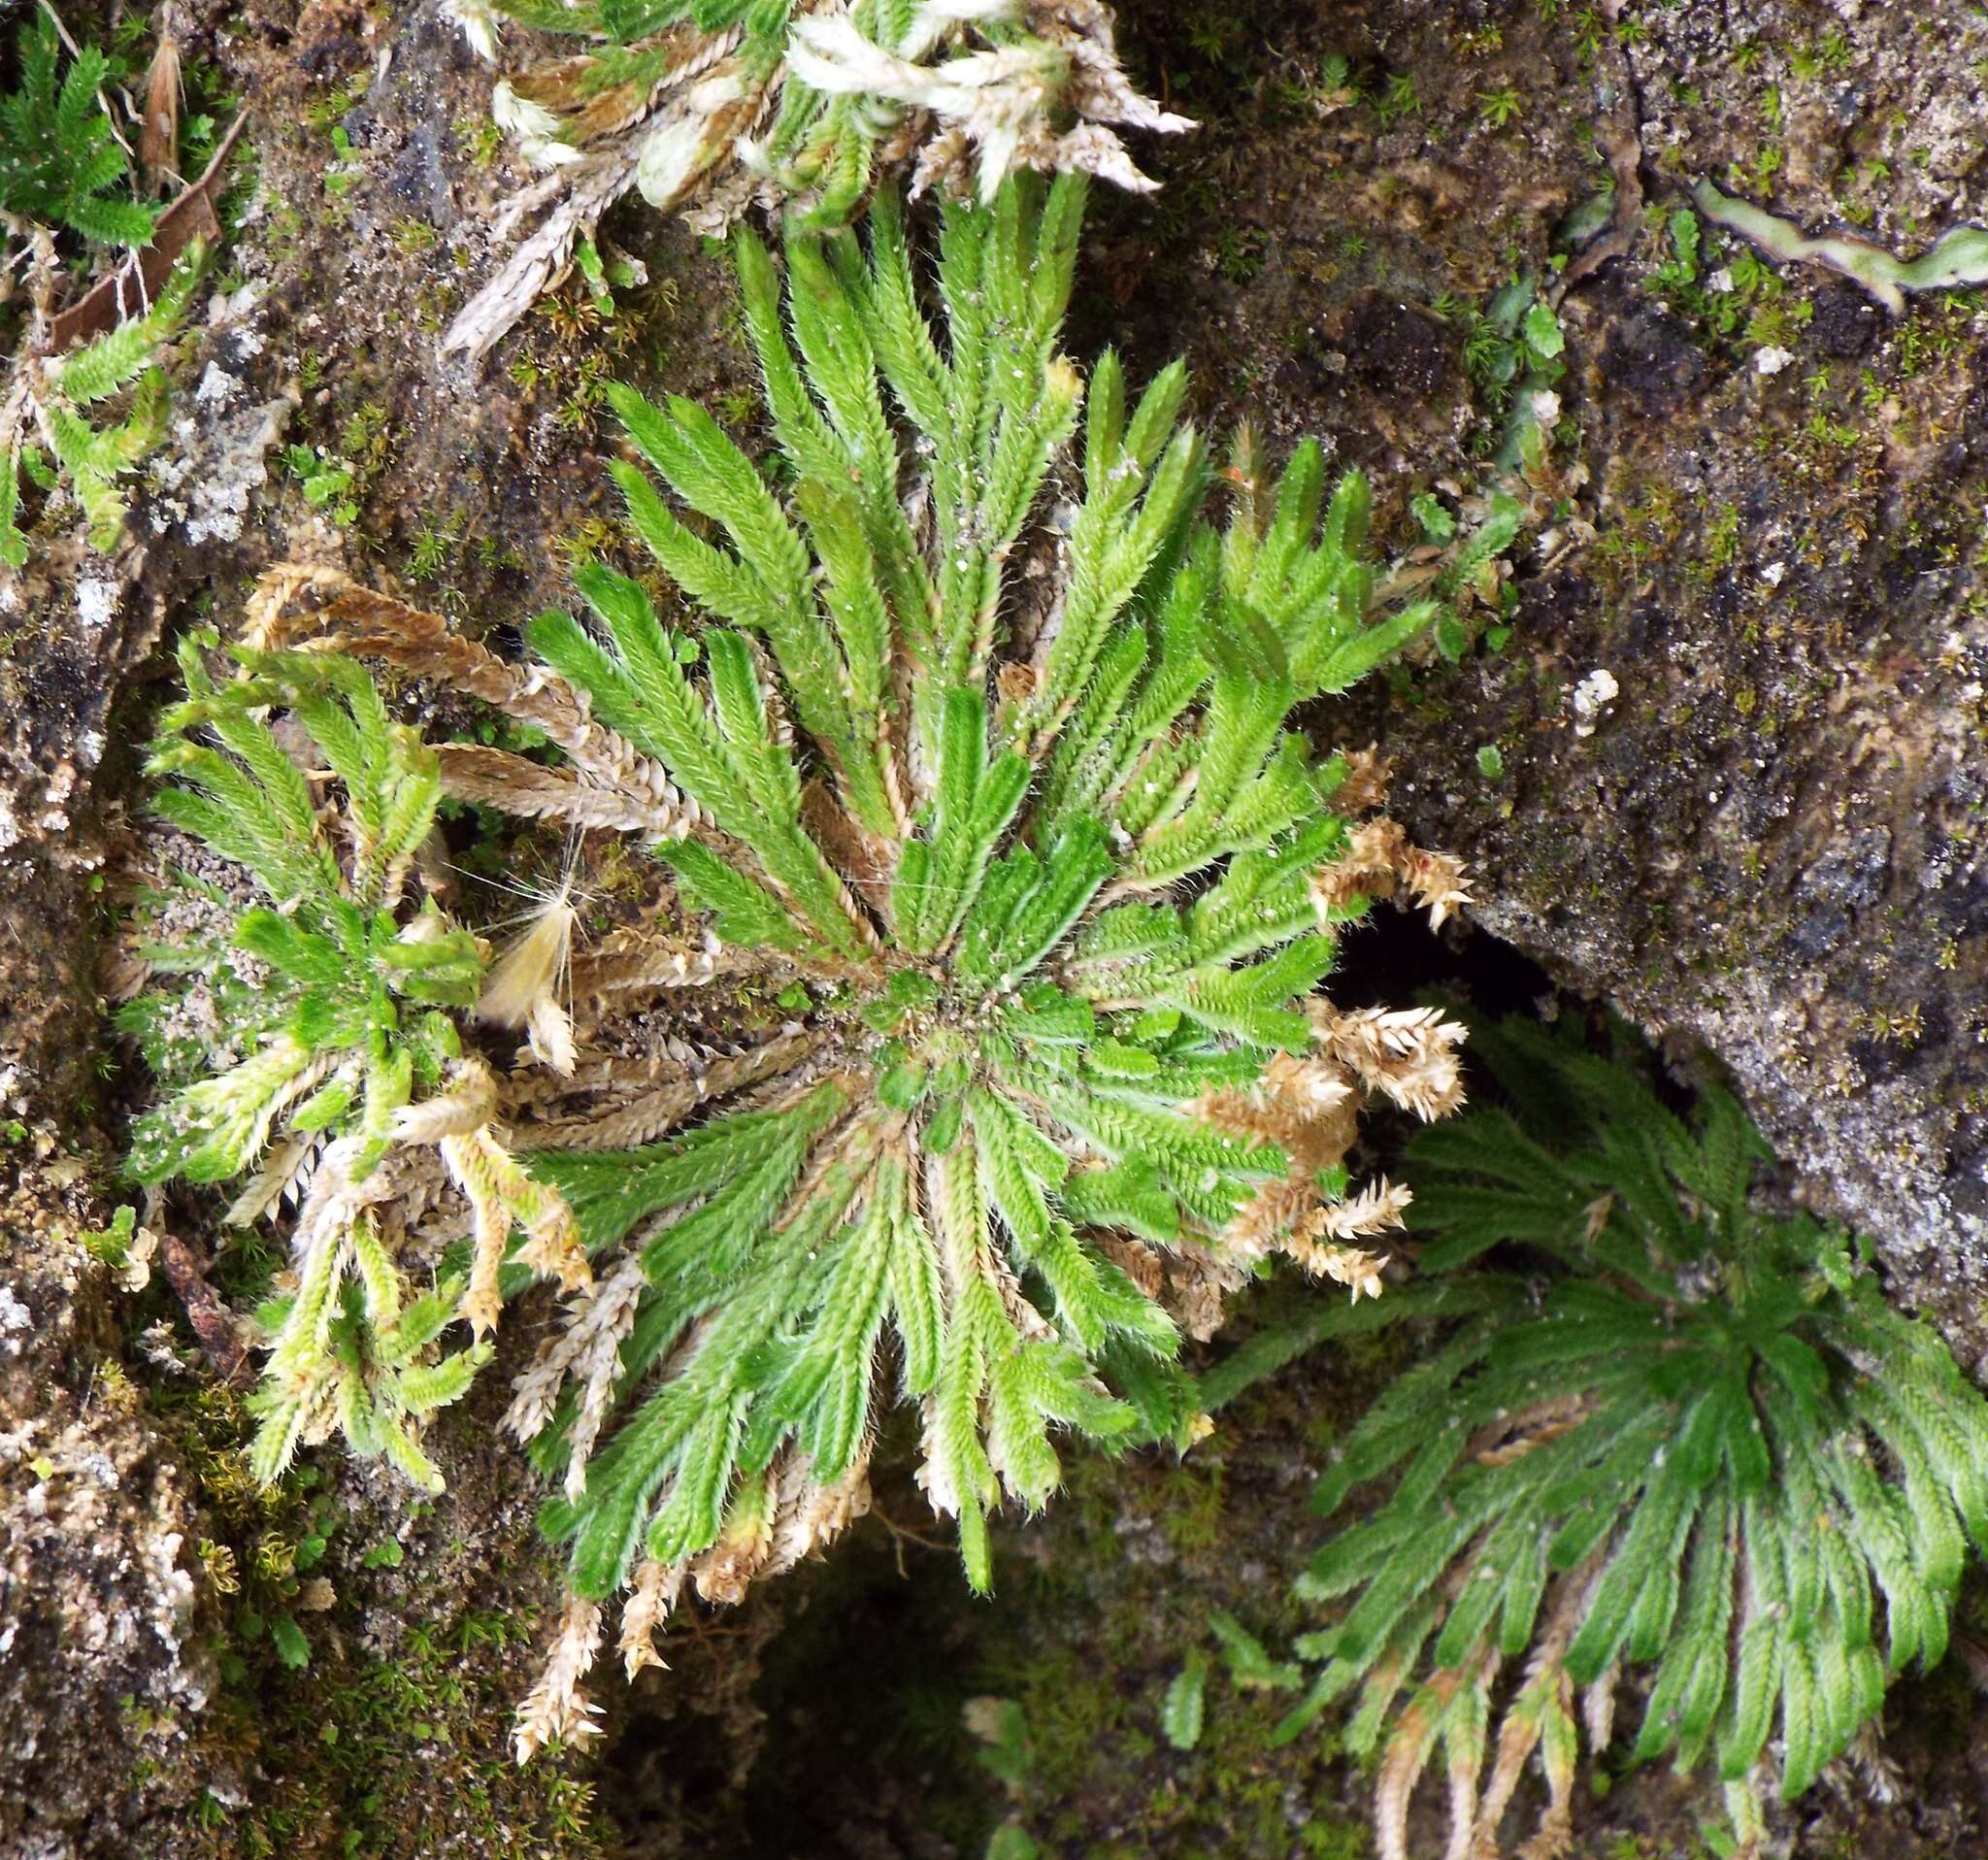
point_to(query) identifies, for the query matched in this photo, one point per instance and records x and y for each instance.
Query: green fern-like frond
(1009, 817)
(60, 164)
(1711, 1452)
(981, 827)
(91, 449)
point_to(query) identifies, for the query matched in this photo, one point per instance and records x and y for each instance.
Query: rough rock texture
(1765, 518)
(99, 1607)
(1768, 840)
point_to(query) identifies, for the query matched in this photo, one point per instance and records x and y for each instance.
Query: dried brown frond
(556, 1710)
(599, 1319)
(1365, 784)
(1271, 1214)
(725, 1572)
(657, 1111)
(1435, 880)
(1540, 1716)
(868, 863)
(531, 791)
(645, 1607)
(1380, 862)
(1349, 1266)
(1305, 1106)
(639, 961)
(1517, 1435)
(1369, 868)
(1138, 1261)
(1407, 1754)
(300, 607)
(808, 1514)
(1203, 1280)
(1406, 1054)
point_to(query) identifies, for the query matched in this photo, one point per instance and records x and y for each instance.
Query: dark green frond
(59, 162)
(1703, 1446)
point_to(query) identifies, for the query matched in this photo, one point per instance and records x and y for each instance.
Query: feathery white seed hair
(478, 23)
(526, 988)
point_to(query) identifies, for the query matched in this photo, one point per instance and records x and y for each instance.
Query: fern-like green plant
(333, 996)
(60, 164)
(1707, 1450)
(1011, 820)
(64, 400)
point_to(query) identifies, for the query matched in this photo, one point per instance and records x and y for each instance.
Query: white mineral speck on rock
(216, 386)
(15, 1317)
(95, 602)
(1591, 696)
(1771, 359)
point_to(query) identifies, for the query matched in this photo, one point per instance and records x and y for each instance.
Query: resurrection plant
(1710, 1451)
(991, 879)
(711, 105)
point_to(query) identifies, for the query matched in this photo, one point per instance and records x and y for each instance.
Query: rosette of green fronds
(60, 161)
(716, 104)
(337, 989)
(1707, 1453)
(64, 401)
(1010, 817)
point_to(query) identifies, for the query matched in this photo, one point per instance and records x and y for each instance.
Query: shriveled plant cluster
(1709, 1455)
(711, 105)
(977, 760)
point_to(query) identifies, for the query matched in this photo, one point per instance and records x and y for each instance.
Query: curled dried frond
(1380, 861)
(316, 609)
(644, 1610)
(556, 1710)
(798, 102)
(1408, 1054)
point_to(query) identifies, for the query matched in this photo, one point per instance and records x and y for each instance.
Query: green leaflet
(1700, 1450)
(60, 164)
